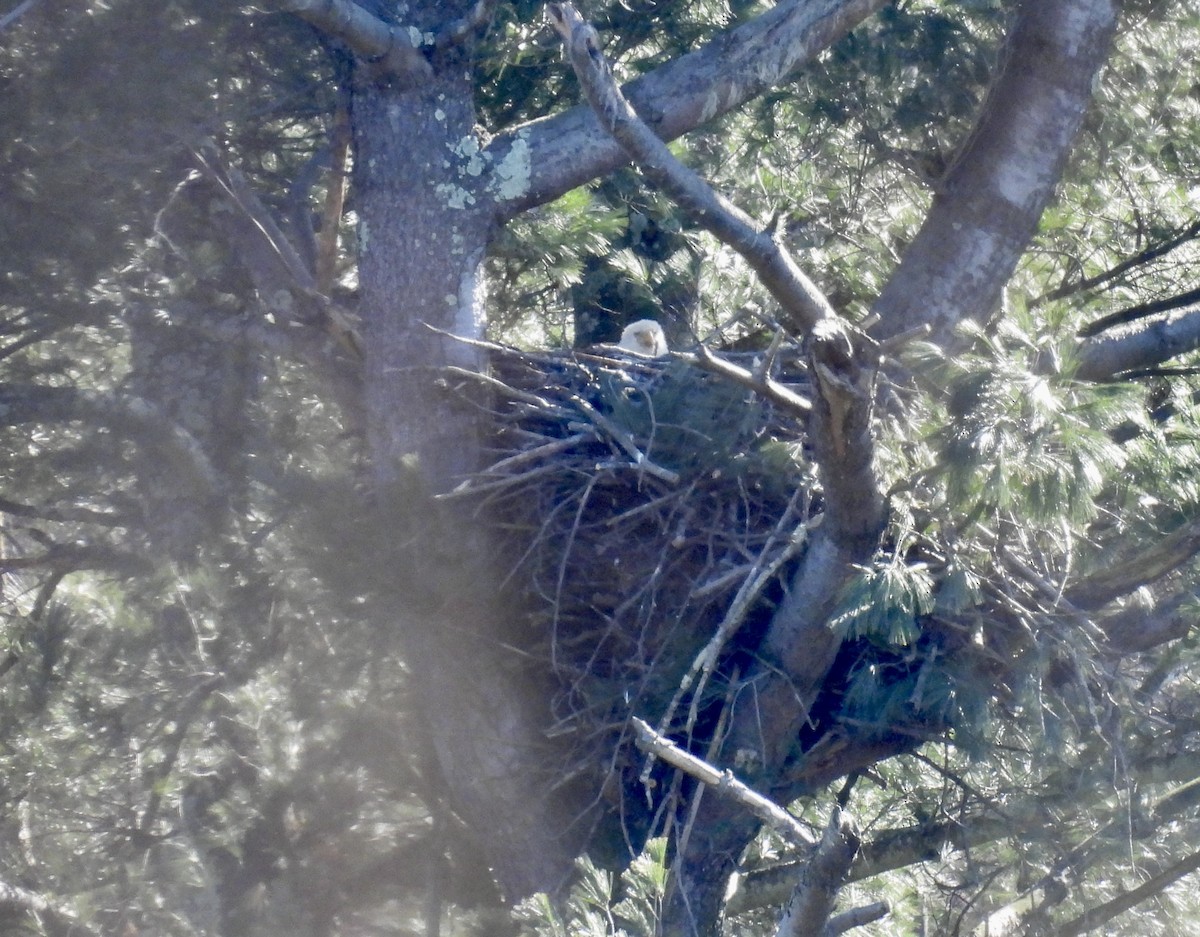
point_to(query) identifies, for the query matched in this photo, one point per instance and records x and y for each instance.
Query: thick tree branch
(391, 49)
(1137, 629)
(990, 201)
(1126, 575)
(776, 704)
(557, 154)
(1102, 914)
(821, 878)
(1141, 345)
(799, 639)
(856, 917)
(803, 303)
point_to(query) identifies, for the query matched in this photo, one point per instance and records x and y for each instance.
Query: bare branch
(16, 13)
(1141, 311)
(1143, 345)
(1102, 914)
(392, 49)
(62, 514)
(761, 383)
(723, 782)
(803, 303)
(856, 917)
(1150, 254)
(569, 149)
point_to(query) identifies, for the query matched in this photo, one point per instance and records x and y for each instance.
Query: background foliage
(204, 728)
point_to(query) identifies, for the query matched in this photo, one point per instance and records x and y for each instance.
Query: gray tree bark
(424, 224)
(989, 202)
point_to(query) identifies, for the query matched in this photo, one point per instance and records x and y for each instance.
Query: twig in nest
(760, 383)
(760, 574)
(625, 441)
(532, 455)
(724, 782)
(539, 403)
(470, 489)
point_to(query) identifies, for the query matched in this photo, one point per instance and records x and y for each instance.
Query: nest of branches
(651, 507)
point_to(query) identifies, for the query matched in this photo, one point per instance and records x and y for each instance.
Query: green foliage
(173, 731)
(1017, 440)
(601, 904)
(885, 603)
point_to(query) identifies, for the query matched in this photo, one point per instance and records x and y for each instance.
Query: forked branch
(803, 303)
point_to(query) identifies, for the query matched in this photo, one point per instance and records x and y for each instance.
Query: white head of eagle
(644, 337)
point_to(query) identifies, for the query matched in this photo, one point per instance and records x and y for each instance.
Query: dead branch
(723, 782)
(758, 381)
(802, 301)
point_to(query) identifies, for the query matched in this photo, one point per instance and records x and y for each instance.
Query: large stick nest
(650, 504)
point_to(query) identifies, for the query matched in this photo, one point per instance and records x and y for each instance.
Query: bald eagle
(644, 337)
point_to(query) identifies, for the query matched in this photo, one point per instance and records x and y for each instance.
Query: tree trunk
(422, 234)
